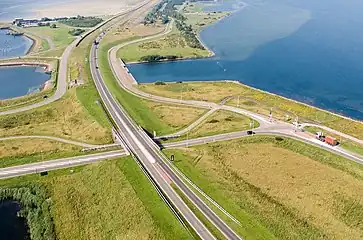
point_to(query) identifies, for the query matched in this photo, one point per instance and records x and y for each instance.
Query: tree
(53, 25)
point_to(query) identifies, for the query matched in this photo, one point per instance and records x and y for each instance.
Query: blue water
(13, 46)
(308, 50)
(11, 9)
(12, 227)
(18, 81)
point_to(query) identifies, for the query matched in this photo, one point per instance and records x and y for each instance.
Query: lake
(11, 226)
(13, 46)
(307, 50)
(19, 81)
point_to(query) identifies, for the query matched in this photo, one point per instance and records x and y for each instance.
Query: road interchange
(145, 150)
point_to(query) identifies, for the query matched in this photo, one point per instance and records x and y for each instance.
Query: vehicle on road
(327, 139)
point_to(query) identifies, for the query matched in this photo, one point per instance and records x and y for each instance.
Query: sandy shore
(84, 7)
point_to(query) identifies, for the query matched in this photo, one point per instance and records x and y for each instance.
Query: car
(250, 132)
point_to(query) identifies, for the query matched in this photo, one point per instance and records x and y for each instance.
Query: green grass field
(279, 189)
(171, 44)
(107, 200)
(222, 122)
(59, 35)
(66, 118)
(24, 151)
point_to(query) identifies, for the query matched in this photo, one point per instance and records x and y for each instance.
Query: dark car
(250, 132)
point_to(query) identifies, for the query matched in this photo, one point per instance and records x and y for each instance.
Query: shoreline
(265, 92)
(34, 43)
(211, 52)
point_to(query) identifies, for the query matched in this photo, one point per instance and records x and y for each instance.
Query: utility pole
(187, 137)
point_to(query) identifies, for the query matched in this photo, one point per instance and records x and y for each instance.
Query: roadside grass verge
(24, 151)
(343, 142)
(255, 100)
(219, 122)
(277, 189)
(102, 201)
(222, 122)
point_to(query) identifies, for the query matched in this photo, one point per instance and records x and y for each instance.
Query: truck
(331, 141)
(327, 139)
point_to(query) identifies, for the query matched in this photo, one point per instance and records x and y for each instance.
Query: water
(11, 226)
(20, 80)
(13, 46)
(306, 50)
(11, 9)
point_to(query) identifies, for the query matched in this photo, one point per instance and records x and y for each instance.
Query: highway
(32, 168)
(148, 154)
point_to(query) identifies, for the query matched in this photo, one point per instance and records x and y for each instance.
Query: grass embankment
(107, 200)
(255, 101)
(24, 151)
(222, 122)
(343, 142)
(151, 116)
(174, 43)
(279, 189)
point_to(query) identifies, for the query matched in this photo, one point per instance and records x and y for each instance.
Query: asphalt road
(148, 153)
(58, 164)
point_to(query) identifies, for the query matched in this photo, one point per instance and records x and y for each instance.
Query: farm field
(279, 189)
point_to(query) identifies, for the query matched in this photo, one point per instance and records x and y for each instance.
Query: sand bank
(84, 7)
